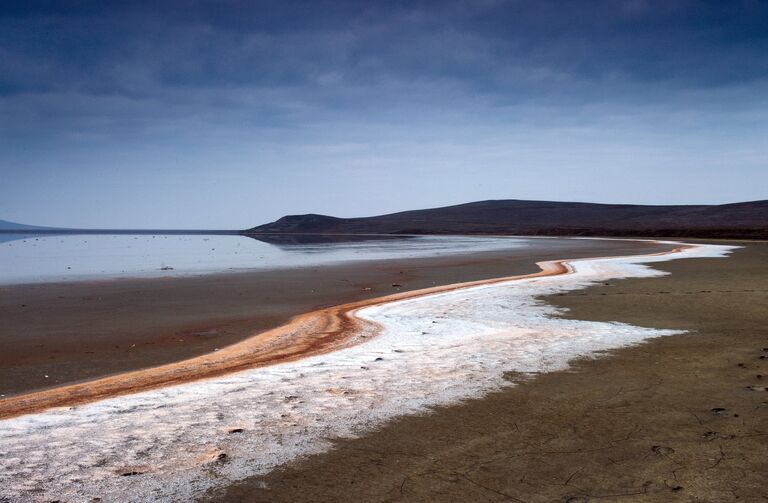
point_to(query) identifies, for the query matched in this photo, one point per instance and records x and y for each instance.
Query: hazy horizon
(286, 214)
(210, 115)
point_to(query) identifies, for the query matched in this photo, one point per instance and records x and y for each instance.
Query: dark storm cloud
(514, 47)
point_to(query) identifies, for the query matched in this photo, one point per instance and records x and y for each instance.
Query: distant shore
(137, 232)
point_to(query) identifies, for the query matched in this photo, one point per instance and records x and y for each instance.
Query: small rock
(396, 285)
(235, 430)
(717, 410)
(662, 451)
(378, 359)
(715, 435)
(214, 456)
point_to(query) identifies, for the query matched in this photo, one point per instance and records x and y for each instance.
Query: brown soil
(63, 333)
(309, 334)
(680, 418)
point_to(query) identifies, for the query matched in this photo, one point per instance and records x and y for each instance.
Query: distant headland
(747, 220)
(7, 227)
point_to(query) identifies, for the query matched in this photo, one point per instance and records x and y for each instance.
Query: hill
(548, 218)
(5, 225)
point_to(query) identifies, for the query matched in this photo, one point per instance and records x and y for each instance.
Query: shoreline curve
(309, 334)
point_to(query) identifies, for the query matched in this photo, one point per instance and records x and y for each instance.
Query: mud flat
(432, 350)
(682, 418)
(61, 333)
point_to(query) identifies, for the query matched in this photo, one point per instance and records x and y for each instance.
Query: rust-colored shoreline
(310, 334)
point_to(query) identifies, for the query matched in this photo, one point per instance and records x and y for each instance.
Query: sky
(228, 114)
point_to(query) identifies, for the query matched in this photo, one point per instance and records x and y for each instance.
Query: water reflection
(290, 242)
(4, 238)
(49, 257)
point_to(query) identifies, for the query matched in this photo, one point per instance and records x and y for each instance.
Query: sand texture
(682, 418)
(178, 441)
(63, 333)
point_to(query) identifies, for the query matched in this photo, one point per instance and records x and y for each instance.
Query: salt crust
(175, 443)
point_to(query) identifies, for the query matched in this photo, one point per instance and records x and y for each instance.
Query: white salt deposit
(173, 444)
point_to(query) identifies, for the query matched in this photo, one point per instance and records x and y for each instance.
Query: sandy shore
(432, 347)
(305, 335)
(681, 418)
(437, 345)
(62, 333)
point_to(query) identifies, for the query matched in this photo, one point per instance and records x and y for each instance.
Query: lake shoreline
(72, 332)
(676, 418)
(178, 441)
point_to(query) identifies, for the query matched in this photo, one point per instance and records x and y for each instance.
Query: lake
(40, 258)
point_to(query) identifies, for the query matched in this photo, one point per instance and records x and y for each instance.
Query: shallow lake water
(46, 258)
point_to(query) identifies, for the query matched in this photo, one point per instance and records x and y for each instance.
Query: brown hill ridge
(547, 218)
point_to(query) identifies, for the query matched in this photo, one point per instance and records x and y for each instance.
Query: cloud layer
(317, 99)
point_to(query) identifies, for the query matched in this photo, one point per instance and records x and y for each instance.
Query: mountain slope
(13, 226)
(739, 220)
